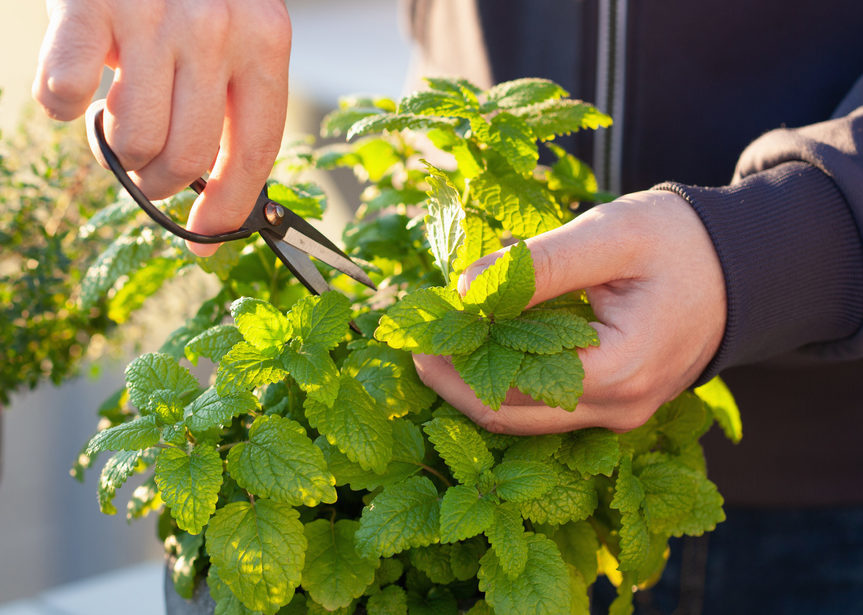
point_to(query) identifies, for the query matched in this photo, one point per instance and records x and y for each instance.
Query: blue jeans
(762, 562)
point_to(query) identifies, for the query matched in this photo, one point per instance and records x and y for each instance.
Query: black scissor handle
(106, 156)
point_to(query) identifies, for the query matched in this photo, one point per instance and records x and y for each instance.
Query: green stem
(431, 470)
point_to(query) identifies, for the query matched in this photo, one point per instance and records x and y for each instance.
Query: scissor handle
(105, 155)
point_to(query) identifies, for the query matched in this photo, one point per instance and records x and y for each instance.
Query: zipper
(610, 92)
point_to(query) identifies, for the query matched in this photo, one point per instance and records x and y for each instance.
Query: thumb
(74, 50)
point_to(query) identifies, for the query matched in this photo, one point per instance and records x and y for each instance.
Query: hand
(656, 286)
(198, 84)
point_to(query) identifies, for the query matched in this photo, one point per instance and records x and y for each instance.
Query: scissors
(288, 235)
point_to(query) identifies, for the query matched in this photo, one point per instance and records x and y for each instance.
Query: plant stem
(431, 470)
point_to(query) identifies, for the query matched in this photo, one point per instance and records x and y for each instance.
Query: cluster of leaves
(316, 473)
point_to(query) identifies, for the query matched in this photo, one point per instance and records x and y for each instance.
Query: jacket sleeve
(788, 234)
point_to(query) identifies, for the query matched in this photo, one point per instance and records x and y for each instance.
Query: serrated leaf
(508, 539)
(338, 122)
(335, 574)
(489, 371)
(443, 222)
(226, 602)
(521, 205)
(390, 377)
(578, 544)
(434, 562)
(461, 447)
(480, 239)
(430, 102)
(682, 420)
(141, 284)
(314, 371)
(505, 287)
(166, 406)
(355, 424)
(126, 254)
(513, 139)
(464, 513)
(572, 177)
(157, 371)
(561, 117)
(571, 329)
(246, 367)
(718, 398)
(526, 336)
(114, 474)
(542, 588)
(464, 557)
(139, 433)
(304, 199)
(214, 343)
(412, 323)
(395, 122)
(189, 484)
(590, 451)
(628, 491)
(210, 410)
(280, 462)
(634, 541)
(403, 515)
(526, 91)
(571, 499)
(321, 320)
(261, 324)
(555, 379)
(522, 480)
(114, 215)
(258, 551)
(534, 448)
(391, 600)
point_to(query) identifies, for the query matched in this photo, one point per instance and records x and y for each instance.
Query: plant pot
(200, 604)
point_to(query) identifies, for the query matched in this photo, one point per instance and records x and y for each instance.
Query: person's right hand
(198, 84)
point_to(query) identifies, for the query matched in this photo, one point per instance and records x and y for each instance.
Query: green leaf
(258, 551)
(154, 372)
(572, 177)
(552, 118)
(189, 484)
(513, 139)
(428, 102)
(187, 549)
(321, 320)
(480, 239)
(338, 122)
(534, 448)
(139, 433)
(634, 541)
(569, 328)
(572, 499)
(125, 255)
(210, 410)
(555, 379)
(578, 544)
(459, 444)
(489, 371)
(335, 575)
(401, 516)
(464, 513)
(315, 372)
(141, 284)
(526, 336)
(464, 557)
(114, 216)
(390, 377)
(437, 601)
(718, 398)
(214, 343)
(391, 600)
(443, 222)
(682, 420)
(246, 367)
(505, 287)
(417, 320)
(395, 122)
(434, 562)
(543, 587)
(590, 451)
(527, 91)
(165, 405)
(144, 500)
(522, 205)
(355, 424)
(261, 325)
(114, 474)
(628, 491)
(521, 480)
(304, 199)
(226, 602)
(508, 539)
(280, 462)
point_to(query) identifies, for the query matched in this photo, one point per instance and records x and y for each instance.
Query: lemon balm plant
(314, 472)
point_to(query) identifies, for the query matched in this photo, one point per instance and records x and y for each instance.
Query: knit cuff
(792, 260)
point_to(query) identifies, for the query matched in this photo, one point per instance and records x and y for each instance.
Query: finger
(73, 53)
(251, 137)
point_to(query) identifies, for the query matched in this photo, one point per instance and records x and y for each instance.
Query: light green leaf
(396, 122)
(166, 406)
(718, 398)
(335, 575)
(543, 587)
(527, 91)
(464, 513)
(480, 239)
(505, 287)
(391, 600)
(210, 410)
(522, 480)
(572, 499)
(280, 462)
(523, 206)
(390, 377)
(139, 433)
(261, 324)
(402, 516)
(628, 491)
(571, 329)
(460, 446)
(125, 255)
(508, 539)
(187, 549)
(443, 222)
(555, 379)
(513, 139)
(412, 322)
(634, 541)
(258, 551)
(561, 117)
(489, 371)
(141, 285)
(572, 177)
(246, 367)
(214, 343)
(355, 424)
(114, 474)
(304, 199)
(189, 484)
(428, 102)
(226, 602)
(315, 372)
(156, 371)
(590, 451)
(578, 544)
(321, 320)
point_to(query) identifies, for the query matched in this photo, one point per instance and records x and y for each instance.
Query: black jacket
(757, 101)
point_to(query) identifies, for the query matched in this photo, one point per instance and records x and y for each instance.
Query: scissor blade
(332, 257)
(299, 263)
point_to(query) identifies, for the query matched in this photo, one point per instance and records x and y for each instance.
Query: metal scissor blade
(299, 263)
(332, 257)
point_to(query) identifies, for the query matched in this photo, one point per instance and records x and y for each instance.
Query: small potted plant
(316, 473)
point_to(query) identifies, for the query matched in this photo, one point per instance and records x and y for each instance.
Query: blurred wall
(51, 531)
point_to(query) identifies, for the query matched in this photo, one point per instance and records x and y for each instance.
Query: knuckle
(135, 149)
(273, 30)
(209, 20)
